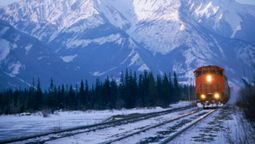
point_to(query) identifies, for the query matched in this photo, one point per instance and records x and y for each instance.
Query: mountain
(70, 40)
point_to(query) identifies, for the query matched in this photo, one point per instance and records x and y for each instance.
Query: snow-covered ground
(12, 126)
(227, 125)
(112, 133)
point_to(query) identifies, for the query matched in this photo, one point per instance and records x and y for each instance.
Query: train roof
(208, 67)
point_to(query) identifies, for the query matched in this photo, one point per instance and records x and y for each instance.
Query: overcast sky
(247, 1)
(5, 2)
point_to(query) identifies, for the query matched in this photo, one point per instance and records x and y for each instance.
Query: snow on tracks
(93, 127)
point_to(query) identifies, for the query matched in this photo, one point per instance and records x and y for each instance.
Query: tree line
(130, 91)
(247, 99)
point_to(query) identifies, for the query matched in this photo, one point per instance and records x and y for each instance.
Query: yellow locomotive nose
(216, 96)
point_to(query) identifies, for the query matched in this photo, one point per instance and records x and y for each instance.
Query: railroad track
(177, 133)
(189, 119)
(44, 137)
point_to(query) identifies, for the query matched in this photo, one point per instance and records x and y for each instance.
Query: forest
(246, 99)
(132, 90)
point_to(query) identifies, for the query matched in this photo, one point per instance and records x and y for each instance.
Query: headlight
(217, 96)
(203, 96)
(209, 78)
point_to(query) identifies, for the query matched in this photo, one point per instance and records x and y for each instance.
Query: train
(211, 86)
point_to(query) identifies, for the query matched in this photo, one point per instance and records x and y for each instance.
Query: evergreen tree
(152, 90)
(166, 90)
(39, 96)
(82, 95)
(177, 91)
(159, 101)
(129, 93)
(71, 98)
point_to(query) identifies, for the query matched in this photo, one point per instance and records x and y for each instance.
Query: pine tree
(71, 98)
(177, 91)
(114, 94)
(166, 90)
(159, 100)
(152, 91)
(82, 96)
(39, 96)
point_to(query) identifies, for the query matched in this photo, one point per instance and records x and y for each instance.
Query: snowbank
(25, 124)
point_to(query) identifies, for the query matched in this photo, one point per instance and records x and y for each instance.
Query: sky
(247, 1)
(6, 2)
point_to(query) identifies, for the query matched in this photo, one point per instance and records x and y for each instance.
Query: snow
(206, 10)
(68, 58)
(74, 16)
(181, 104)
(13, 45)
(182, 27)
(225, 126)
(115, 132)
(143, 67)
(28, 48)
(17, 38)
(158, 134)
(4, 49)
(218, 11)
(14, 68)
(219, 47)
(72, 43)
(149, 10)
(16, 125)
(4, 30)
(143, 20)
(113, 14)
(220, 17)
(235, 22)
(159, 26)
(238, 28)
(61, 13)
(135, 59)
(149, 18)
(98, 73)
(246, 55)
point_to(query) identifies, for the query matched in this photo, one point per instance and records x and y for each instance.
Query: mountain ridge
(96, 38)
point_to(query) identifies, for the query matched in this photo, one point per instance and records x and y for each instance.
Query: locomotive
(211, 85)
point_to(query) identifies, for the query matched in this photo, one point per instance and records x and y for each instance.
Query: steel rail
(170, 138)
(151, 127)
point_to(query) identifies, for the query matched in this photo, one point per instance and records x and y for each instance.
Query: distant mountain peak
(95, 38)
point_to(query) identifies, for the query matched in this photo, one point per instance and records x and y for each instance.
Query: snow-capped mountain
(69, 40)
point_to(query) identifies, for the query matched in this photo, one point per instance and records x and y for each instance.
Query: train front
(210, 85)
